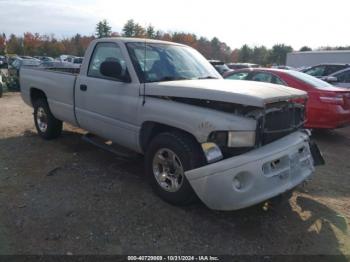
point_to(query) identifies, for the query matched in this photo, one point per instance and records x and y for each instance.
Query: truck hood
(242, 92)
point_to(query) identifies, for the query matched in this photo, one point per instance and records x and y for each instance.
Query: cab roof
(137, 40)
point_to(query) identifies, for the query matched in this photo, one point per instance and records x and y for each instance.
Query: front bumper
(255, 176)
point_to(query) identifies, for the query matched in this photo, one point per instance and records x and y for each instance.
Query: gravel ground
(66, 196)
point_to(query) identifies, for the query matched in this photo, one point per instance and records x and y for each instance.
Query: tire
(188, 155)
(47, 126)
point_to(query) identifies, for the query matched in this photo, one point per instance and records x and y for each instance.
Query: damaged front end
(273, 122)
(281, 158)
(279, 119)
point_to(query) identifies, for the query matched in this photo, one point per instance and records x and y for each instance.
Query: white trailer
(311, 58)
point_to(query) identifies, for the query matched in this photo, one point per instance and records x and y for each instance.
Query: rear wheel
(47, 126)
(168, 156)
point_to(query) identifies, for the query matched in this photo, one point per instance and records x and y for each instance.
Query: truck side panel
(58, 88)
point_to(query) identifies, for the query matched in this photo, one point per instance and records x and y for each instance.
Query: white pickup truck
(231, 143)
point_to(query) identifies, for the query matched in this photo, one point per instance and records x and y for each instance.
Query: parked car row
(13, 63)
(327, 106)
(224, 68)
(336, 74)
(71, 59)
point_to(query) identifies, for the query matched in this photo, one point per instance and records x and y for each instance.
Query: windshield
(313, 81)
(165, 62)
(222, 68)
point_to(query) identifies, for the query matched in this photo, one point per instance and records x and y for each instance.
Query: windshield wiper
(207, 77)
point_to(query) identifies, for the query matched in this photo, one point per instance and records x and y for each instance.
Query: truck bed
(58, 85)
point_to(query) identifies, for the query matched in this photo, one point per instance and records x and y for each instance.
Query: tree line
(34, 44)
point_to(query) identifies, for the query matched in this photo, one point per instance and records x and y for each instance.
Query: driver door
(108, 106)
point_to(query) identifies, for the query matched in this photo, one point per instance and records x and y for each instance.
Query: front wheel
(168, 156)
(46, 124)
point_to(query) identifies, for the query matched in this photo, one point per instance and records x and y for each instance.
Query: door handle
(83, 87)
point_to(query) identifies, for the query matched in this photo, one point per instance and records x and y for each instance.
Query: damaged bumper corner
(255, 176)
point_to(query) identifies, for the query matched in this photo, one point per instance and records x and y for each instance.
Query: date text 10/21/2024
(173, 258)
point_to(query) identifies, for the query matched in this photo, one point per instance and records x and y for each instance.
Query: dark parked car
(220, 66)
(44, 58)
(340, 78)
(78, 60)
(323, 70)
(3, 62)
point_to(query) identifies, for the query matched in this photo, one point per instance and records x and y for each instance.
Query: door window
(263, 77)
(316, 71)
(344, 77)
(238, 76)
(278, 81)
(333, 68)
(106, 52)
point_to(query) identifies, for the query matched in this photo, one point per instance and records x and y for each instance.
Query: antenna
(144, 75)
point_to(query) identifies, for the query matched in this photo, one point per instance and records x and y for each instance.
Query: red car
(327, 107)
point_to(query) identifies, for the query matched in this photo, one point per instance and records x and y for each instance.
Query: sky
(253, 22)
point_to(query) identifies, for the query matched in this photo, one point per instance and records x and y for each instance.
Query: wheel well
(36, 94)
(150, 129)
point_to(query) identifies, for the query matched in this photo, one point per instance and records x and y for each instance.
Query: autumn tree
(31, 44)
(15, 45)
(245, 54)
(184, 38)
(139, 31)
(132, 29)
(2, 44)
(279, 53)
(36, 44)
(103, 29)
(129, 28)
(260, 55)
(150, 32)
(50, 46)
(234, 56)
(204, 47)
(305, 48)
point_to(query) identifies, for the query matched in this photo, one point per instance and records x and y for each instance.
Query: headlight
(241, 139)
(233, 138)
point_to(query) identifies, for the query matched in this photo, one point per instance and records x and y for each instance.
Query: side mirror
(331, 79)
(111, 69)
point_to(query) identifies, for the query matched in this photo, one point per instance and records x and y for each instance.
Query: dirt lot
(67, 196)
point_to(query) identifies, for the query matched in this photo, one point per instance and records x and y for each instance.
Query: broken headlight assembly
(233, 139)
(233, 143)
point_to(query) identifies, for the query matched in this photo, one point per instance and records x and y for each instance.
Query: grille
(280, 120)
